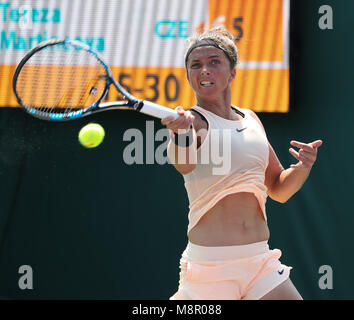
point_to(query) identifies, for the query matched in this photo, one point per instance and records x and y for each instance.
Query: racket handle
(156, 110)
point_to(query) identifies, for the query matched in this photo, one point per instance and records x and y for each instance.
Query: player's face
(209, 71)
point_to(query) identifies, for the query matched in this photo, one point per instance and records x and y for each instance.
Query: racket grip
(156, 110)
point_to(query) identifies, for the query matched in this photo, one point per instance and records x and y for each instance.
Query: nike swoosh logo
(240, 130)
(281, 272)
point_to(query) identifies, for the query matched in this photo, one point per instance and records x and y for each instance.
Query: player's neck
(220, 107)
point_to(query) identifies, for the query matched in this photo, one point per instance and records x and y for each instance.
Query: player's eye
(195, 65)
(214, 61)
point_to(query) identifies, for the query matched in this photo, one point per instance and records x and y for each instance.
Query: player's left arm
(283, 183)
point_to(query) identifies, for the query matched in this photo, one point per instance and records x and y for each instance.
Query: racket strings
(61, 80)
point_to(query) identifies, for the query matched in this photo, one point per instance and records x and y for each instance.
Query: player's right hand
(182, 123)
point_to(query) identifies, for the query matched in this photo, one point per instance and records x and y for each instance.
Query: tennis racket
(66, 79)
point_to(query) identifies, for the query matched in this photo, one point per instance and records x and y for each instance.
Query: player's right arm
(184, 157)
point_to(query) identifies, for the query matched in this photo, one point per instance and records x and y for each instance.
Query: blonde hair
(218, 37)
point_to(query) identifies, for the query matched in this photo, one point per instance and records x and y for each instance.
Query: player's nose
(205, 71)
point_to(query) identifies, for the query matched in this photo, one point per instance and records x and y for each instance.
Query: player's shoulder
(247, 111)
(254, 115)
(251, 113)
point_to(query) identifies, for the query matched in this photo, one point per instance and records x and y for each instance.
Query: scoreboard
(143, 41)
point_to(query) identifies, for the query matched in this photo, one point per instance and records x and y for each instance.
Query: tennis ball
(91, 135)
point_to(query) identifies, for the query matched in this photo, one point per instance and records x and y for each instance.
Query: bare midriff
(237, 219)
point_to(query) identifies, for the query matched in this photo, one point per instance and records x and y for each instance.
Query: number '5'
(236, 26)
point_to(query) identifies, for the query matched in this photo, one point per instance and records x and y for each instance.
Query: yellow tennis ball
(91, 135)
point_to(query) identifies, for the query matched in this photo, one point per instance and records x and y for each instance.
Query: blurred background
(91, 226)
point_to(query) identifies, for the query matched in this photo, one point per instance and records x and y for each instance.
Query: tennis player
(227, 256)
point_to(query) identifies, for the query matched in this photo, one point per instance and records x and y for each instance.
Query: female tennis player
(227, 256)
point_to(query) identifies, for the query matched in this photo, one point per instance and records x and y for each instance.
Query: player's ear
(232, 75)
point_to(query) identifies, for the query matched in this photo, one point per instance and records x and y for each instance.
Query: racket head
(64, 80)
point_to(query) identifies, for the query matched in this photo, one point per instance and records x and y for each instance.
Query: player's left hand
(306, 155)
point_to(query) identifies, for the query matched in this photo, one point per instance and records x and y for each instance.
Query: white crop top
(232, 158)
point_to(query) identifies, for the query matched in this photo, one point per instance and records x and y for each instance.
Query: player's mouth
(206, 83)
